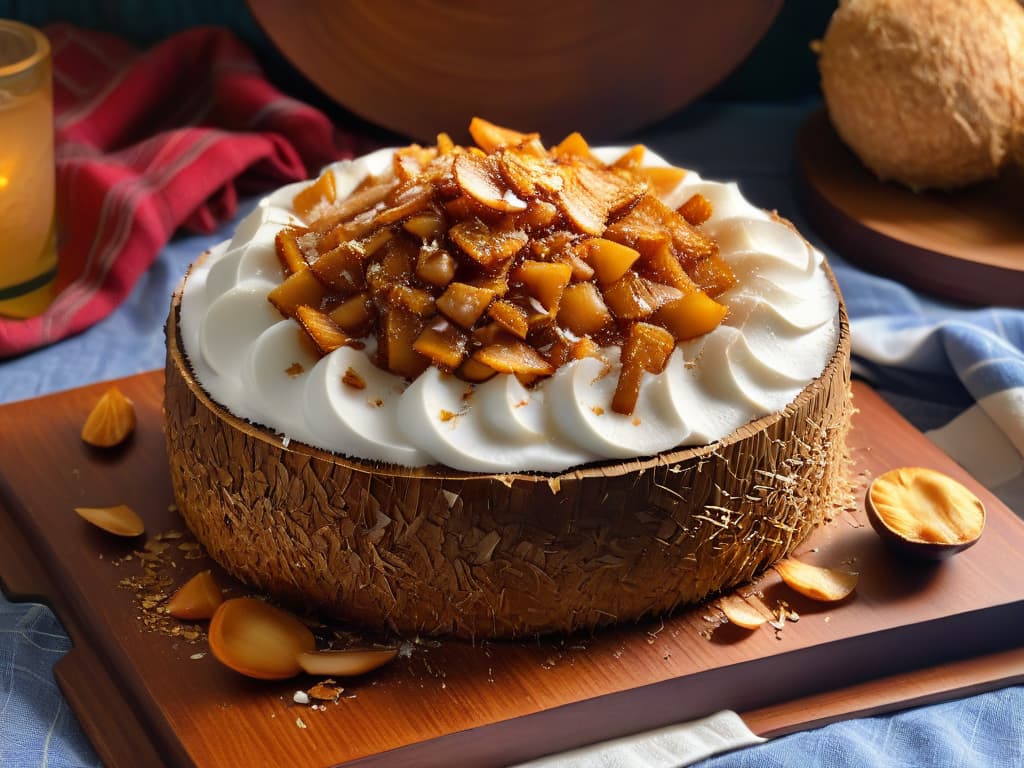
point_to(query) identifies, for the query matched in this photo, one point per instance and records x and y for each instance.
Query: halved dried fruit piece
(120, 520)
(924, 513)
(110, 421)
(347, 662)
(826, 585)
(258, 640)
(741, 613)
(647, 348)
(198, 598)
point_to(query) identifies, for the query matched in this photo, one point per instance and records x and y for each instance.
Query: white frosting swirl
(780, 333)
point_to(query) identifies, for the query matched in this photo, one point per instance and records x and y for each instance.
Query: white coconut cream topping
(780, 333)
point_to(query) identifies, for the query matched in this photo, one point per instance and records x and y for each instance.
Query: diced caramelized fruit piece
(582, 309)
(464, 304)
(662, 179)
(397, 332)
(712, 275)
(609, 259)
(341, 269)
(258, 640)
(445, 347)
(197, 599)
(825, 585)
(435, 266)
(924, 513)
(320, 191)
(545, 281)
(574, 144)
(513, 356)
(301, 288)
(288, 251)
(662, 266)
(415, 300)
(696, 210)
(632, 158)
(354, 315)
(347, 662)
(634, 297)
(426, 226)
(485, 246)
(120, 520)
(691, 316)
(511, 317)
(110, 421)
(322, 330)
(519, 248)
(490, 137)
(646, 349)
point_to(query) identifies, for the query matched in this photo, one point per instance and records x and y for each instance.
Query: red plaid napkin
(150, 141)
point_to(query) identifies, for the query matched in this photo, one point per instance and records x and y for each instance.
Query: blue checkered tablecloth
(956, 372)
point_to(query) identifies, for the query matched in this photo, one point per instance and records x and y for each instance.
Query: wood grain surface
(966, 245)
(147, 698)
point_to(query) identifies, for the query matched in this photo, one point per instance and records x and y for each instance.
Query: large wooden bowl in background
(419, 67)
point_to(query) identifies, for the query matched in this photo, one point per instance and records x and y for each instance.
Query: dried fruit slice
(110, 421)
(346, 663)
(513, 356)
(120, 520)
(490, 137)
(826, 585)
(479, 178)
(198, 598)
(741, 613)
(258, 640)
(924, 513)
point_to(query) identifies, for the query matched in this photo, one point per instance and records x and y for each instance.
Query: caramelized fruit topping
(504, 257)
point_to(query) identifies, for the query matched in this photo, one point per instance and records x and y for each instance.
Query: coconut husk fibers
(441, 552)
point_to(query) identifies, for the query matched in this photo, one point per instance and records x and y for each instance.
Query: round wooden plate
(966, 245)
(419, 67)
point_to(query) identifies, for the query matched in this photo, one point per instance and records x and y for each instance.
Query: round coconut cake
(434, 549)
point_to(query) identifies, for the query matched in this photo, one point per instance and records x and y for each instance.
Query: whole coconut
(929, 93)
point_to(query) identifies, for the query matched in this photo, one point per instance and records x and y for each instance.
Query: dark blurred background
(781, 67)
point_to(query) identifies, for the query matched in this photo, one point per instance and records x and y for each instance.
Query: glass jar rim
(41, 48)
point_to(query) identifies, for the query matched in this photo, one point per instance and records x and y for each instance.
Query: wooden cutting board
(910, 634)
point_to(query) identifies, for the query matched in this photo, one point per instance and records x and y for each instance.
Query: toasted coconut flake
(345, 663)
(120, 520)
(198, 598)
(478, 177)
(110, 421)
(741, 613)
(826, 585)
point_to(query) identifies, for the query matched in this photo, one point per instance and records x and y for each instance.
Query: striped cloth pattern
(147, 142)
